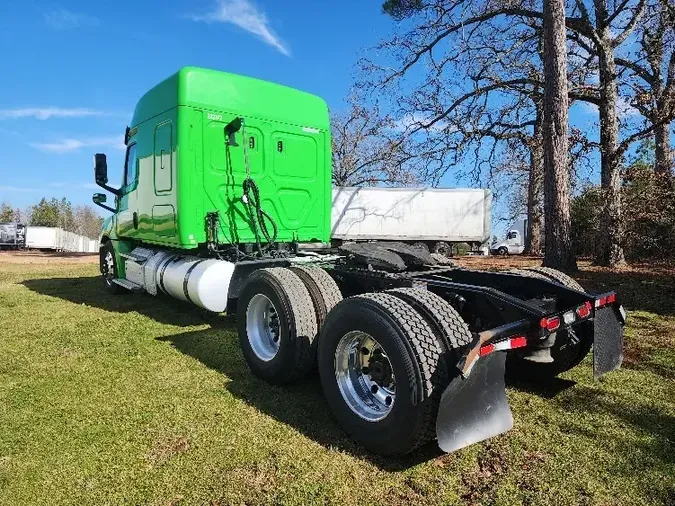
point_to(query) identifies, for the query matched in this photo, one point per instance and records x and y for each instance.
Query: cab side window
(130, 167)
(512, 235)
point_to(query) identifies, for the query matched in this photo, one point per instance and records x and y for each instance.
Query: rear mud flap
(607, 341)
(474, 408)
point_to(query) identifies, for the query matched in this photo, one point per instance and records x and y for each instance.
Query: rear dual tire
(279, 314)
(418, 333)
(277, 325)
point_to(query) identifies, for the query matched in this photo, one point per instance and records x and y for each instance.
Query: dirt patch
(44, 257)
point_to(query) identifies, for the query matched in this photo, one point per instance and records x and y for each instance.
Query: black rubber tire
(448, 325)
(421, 245)
(415, 357)
(565, 355)
(372, 254)
(442, 248)
(322, 288)
(528, 273)
(110, 287)
(297, 323)
(557, 276)
(503, 251)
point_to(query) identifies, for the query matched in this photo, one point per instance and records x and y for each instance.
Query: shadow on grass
(643, 417)
(547, 388)
(91, 292)
(638, 290)
(300, 405)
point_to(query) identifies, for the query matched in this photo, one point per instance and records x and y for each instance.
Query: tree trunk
(535, 207)
(609, 250)
(664, 157)
(558, 251)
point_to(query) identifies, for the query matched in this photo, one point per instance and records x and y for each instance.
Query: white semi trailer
(433, 218)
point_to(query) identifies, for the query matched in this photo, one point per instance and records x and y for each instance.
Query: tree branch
(639, 10)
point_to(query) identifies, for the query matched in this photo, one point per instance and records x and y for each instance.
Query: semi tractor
(227, 185)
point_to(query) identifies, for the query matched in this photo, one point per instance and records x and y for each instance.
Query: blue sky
(72, 72)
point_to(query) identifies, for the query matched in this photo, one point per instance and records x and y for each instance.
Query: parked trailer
(57, 239)
(433, 217)
(43, 238)
(12, 235)
(406, 350)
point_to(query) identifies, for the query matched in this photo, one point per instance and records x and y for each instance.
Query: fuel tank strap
(187, 277)
(161, 274)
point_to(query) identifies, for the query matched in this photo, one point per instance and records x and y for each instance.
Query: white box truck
(433, 218)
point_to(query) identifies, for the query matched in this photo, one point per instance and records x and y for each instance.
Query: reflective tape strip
(507, 344)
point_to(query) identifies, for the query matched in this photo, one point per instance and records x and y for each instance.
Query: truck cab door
(127, 204)
(515, 243)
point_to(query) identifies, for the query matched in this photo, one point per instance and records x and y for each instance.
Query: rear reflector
(584, 311)
(486, 349)
(607, 299)
(550, 324)
(507, 344)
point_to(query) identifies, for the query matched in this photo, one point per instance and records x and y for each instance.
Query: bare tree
(652, 76)
(367, 150)
(559, 253)
(87, 221)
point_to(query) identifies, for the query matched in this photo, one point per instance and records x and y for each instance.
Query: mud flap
(607, 341)
(474, 408)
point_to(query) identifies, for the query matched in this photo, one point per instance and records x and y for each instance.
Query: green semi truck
(225, 203)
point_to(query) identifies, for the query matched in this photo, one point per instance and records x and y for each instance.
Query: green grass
(140, 400)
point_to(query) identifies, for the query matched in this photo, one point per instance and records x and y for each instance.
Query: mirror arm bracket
(107, 208)
(112, 190)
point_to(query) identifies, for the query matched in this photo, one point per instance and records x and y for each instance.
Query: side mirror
(101, 174)
(100, 168)
(99, 199)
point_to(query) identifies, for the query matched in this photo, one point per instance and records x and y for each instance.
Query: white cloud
(623, 108)
(14, 189)
(415, 121)
(70, 145)
(50, 187)
(44, 113)
(62, 19)
(245, 15)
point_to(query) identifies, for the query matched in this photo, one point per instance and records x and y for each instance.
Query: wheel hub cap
(262, 327)
(365, 376)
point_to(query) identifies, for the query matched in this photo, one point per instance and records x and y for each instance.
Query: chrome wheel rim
(109, 267)
(262, 327)
(365, 376)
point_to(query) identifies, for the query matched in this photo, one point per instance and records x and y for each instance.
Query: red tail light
(585, 310)
(611, 298)
(550, 324)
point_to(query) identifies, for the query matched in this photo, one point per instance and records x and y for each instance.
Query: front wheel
(503, 251)
(109, 269)
(382, 373)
